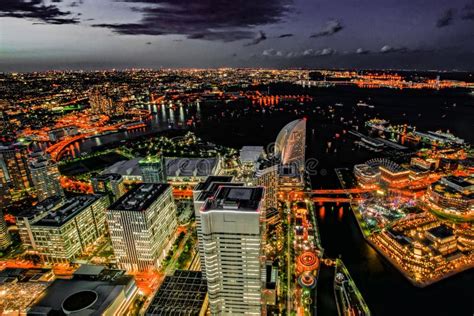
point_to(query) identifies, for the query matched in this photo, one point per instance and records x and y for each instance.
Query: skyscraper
(142, 225)
(45, 177)
(232, 224)
(267, 176)
(201, 193)
(5, 239)
(290, 145)
(290, 149)
(153, 169)
(15, 175)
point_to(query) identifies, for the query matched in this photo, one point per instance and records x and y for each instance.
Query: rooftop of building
(125, 168)
(366, 170)
(443, 187)
(214, 187)
(98, 273)
(140, 197)
(46, 205)
(230, 198)
(13, 146)
(40, 163)
(463, 182)
(441, 231)
(174, 166)
(417, 169)
(393, 168)
(83, 295)
(180, 294)
(386, 164)
(22, 275)
(251, 153)
(67, 210)
(204, 185)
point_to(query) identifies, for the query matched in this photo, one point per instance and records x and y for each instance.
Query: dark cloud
(272, 53)
(148, 43)
(222, 20)
(300, 54)
(386, 49)
(261, 36)
(286, 35)
(37, 10)
(319, 52)
(331, 27)
(446, 18)
(468, 11)
(361, 51)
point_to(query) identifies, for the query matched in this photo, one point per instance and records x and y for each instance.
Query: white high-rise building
(201, 193)
(142, 225)
(232, 226)
(290, 145)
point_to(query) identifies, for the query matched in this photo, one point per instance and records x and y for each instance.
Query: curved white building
(290, 143)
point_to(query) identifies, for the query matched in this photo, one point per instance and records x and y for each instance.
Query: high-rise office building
(5, 239)
(290, 150)
(69, 229)
(28, 217)
(267, 176)
(142, 225)
(45, 177)
(201, 193)
(15, 175)
(153, 169)
(232, 225)
(110, 184)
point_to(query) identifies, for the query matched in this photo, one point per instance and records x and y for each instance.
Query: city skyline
(236, 157)
(43, 35)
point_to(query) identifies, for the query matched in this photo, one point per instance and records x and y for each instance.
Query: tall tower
(267, 176)
(232, 224)
(45, 177)
(5, 239)
(290, 145)
(142, 225)
(201, 193)
(14, 172)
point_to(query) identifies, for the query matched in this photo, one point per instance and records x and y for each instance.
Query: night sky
(104, 34)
